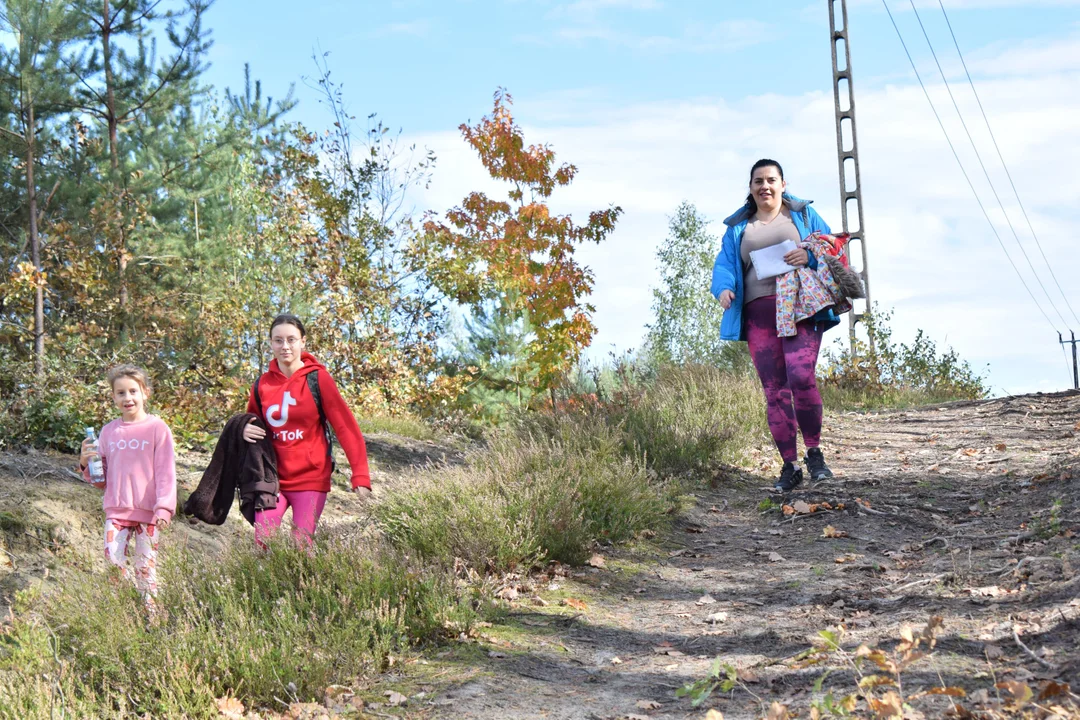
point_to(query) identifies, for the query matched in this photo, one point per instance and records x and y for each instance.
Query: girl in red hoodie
(303, 450)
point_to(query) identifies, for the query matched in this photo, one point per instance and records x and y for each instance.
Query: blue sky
(659, 101)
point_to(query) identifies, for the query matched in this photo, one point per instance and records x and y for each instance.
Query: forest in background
(147, 217)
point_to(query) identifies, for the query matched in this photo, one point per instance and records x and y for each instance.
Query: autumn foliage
(489, 249)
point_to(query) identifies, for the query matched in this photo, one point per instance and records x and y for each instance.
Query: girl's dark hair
(288, 319)
(763, 162)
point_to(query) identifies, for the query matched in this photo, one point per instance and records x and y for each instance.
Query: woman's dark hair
(288, 319)
(763, 162)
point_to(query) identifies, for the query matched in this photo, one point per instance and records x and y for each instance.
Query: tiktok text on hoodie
(293, 417)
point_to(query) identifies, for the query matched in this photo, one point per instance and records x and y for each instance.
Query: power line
(986, 173)
(1005, 166)
(962, 169)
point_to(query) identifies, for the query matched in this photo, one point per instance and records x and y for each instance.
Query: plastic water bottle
(97, 471)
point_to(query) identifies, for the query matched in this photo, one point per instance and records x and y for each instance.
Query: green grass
(404, 425)
(246, 624)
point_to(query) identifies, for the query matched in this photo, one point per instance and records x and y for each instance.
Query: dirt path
(969, 511)
(948, 511)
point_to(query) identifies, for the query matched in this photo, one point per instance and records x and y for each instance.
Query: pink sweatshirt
(140, 470)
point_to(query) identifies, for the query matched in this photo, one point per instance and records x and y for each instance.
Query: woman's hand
(799, 257)
(87, 453)
(364, 493)
(253, 433)
(726, 298)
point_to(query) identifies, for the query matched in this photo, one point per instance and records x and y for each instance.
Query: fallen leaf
(775, 557)
(632, 716)
(616, 661)
(714, 715)
(1000, 447)
(777, 712)
(831, 532)
(231, 708)
(705, 600)
(597, 561)
(802, 507)
(395, 699)
(574, 603)
(716, 617)
(970, 452)
(647, 534)
(787, 509)
(748, 676)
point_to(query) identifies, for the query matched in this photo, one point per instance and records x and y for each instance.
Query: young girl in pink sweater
(136, 451)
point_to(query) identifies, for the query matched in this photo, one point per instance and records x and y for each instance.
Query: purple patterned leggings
(787, 368)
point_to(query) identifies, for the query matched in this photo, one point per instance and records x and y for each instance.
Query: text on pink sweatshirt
(140, 470)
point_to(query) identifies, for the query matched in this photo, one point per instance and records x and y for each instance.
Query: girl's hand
(163, 522)
(253, 433)
(363, 492)
(799, 257)
(87, 453)
(726, 298)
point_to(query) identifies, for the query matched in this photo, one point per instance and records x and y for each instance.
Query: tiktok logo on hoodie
(282, 411)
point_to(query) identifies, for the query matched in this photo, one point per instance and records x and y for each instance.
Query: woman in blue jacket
(787, 366)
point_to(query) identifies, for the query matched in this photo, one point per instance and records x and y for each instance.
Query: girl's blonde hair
(134, 372)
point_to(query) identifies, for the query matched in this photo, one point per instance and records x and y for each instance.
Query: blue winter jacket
(728, 273)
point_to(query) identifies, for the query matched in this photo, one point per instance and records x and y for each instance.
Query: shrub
(543, 491)
(878, 373)
(694, 419)
(246, 625)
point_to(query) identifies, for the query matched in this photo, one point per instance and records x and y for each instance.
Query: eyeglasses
(280, 342)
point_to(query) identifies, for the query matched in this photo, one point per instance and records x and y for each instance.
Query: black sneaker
(815, 465)
(790, 478)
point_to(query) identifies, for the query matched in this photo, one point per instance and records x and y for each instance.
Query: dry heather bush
(531, 496)
(246, 624)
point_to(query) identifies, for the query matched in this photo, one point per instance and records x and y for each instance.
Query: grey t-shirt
(758, 235)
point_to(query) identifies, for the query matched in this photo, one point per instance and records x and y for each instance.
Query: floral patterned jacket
(805, 291)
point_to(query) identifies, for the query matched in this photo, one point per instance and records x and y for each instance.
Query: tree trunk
(35, 247)
(112, 120)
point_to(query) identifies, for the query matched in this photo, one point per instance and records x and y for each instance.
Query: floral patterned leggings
(787, 367)
(118, 535)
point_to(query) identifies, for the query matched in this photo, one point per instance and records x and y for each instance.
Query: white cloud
(415, 28)
(932, 255)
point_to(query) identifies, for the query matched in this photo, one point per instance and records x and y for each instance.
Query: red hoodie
(299, 441)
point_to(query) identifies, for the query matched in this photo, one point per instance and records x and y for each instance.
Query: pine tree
(36, 93)
(497, 347)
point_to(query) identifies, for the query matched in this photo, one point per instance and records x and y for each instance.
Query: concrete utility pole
(1076, 373)
(847, 148)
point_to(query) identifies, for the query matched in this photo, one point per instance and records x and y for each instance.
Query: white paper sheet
(769, 262)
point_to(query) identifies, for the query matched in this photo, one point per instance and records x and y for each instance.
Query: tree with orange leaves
(516, 249)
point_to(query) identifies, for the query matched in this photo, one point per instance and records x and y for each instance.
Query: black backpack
(316, 395)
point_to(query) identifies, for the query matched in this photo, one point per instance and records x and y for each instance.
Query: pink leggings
(307, 507)
(787, 368)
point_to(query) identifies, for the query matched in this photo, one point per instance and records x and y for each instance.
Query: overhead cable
(982, 165)
(963, 170)
(1005, 166)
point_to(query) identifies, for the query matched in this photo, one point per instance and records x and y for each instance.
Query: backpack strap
(316, 395)
(258, 399)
